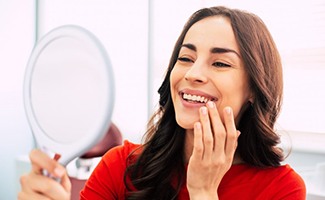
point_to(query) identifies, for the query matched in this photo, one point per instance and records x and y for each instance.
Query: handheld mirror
(68, 92)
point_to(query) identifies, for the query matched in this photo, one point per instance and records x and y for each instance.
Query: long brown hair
(159, 171)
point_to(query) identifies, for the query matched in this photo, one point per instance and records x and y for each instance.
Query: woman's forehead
(215, 31)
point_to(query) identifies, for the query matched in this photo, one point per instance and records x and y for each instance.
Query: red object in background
(112, 138)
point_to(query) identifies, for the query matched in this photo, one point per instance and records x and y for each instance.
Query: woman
(213, 135)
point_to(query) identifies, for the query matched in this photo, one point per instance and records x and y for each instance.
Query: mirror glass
(69, 91)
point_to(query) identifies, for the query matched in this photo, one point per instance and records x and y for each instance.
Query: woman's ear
(251, 99)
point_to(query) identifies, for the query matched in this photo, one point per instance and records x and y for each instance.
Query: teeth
(195, 98)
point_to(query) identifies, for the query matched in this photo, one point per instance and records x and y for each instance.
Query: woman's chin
(186, 123)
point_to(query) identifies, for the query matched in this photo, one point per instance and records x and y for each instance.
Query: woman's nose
(197, 73)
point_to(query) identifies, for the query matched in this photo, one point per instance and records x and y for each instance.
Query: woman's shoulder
(288, 182)
(283, 173)
(281, 182)
(107, 178)
(282, 169)
(121, 151)
(288, 175)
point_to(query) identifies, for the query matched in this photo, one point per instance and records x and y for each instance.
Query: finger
(27, 196)
(65, 182)
(41, 161)
(46, 186)
(207, 133)
(232, 135)
(198, 148)
(25, 187)
(238, 134)
(219, 132)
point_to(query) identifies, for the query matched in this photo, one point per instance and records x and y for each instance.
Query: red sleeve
(106, 181)
(293, 186)
(274, 183)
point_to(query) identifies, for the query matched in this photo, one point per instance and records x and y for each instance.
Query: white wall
(122, 27)
(16, 39)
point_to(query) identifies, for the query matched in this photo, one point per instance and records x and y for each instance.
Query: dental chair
(85, 163)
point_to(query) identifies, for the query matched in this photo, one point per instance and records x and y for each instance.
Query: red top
(240, 182)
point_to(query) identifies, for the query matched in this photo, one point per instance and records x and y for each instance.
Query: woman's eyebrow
(189, 46)
(213, 50)
(223, 50)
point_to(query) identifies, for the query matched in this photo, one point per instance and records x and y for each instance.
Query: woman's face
(209, 68)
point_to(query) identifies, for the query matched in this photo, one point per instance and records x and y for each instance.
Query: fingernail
(59, 172)
(228, 110)
(204, 110)
(57, 156)
(210, 104)
(197, 125)
(238, 133)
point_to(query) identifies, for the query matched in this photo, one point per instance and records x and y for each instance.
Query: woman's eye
(220, 64)
(184, 59)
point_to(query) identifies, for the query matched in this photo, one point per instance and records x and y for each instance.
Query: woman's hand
(37, 186)
(213, 152)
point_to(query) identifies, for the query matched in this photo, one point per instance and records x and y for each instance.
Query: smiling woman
(222, 149)
(246, 93)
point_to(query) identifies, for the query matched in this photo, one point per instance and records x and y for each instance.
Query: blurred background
(139, 37)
